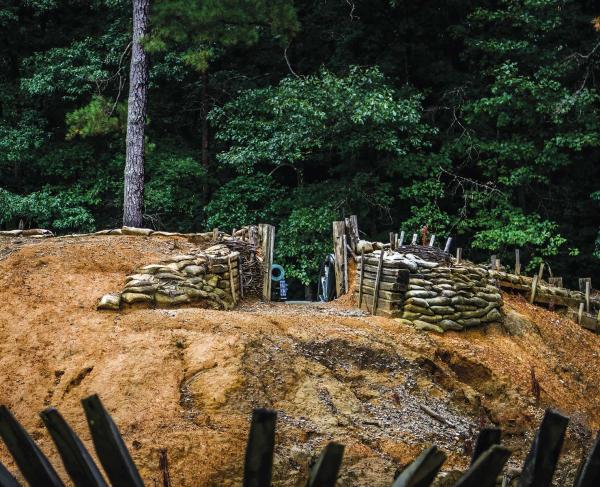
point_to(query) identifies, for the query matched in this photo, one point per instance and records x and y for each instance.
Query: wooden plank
(360, 279)
(258, 464)
(32, 463)
(326, 468)
(541, 460)
(398, 279)
(423, 470)
(339, 229)
(267, 236)
(77, 461)
(389, 295)
(109, 445)
(387, 286)
(518, 262)
(388, 271)
(383, 304)
(377, 281)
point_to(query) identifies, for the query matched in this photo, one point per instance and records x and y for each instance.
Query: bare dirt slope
(187, 379)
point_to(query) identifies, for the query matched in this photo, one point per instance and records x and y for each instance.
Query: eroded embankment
(187, 379)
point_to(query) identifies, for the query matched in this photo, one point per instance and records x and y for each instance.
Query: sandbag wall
(430, 292)
(209, 277)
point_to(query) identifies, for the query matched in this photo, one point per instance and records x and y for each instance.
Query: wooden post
(338, 250)
(414, 239)
(493, 260)
(497, 264)
(458, 255)
(392, 240)
(377, 282)
(432, 240)
(352, 231)
(582, 281)
(401, 241)
(580, 313)
(396, 241)
(588, 289)
(345, 244)
(517, 262)
(231, 281)
(541, 273)
(448, 243)
(362, 276)
(267, 235)
(215, 235)
(534, 284)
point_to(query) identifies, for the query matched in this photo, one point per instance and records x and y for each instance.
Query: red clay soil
(187, 379)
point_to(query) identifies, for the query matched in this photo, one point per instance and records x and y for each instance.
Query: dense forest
(478, 118)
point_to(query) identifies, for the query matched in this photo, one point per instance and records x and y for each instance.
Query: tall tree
(133, 199)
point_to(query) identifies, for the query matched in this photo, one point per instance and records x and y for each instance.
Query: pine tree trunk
(204, 116)
(133, 201)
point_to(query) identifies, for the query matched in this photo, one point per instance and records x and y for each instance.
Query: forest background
(478, 118)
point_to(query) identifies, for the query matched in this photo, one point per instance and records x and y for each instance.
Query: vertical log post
(432, 240)
(493, 260)
(580, 313)
(360, 280)
(541, 273)
(231, 280)
(414, 239)
(339, 229)
(497, 264)
(588, 289)
(518, 262)
(392, 241)
(267, 238)
(377, 282)
(215, 235)
(534, 284)
(448, 244)
(345, 253)
(352, 232)
(401, 241)
(458, 255)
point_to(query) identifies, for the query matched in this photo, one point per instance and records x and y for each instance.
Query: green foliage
(303, 240)
(323, 118)
(99, 117)
(199, 26)
(42, 209)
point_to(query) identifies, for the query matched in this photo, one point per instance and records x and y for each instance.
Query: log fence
(487, 460)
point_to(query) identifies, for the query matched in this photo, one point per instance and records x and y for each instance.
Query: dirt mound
(187, 379)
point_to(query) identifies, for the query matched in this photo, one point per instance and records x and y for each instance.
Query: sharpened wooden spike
(77, 461)
(325, 471)
(258, 464)
(32, 463)
(542, 457)
(487, 438)
(589, 474)
(422, 472)
(6, 478)
(109, 445)
(485, 470)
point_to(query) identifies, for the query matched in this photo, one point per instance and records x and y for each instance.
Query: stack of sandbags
(207, 277)
(443, 298)
(420, 286)
(393, 282)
